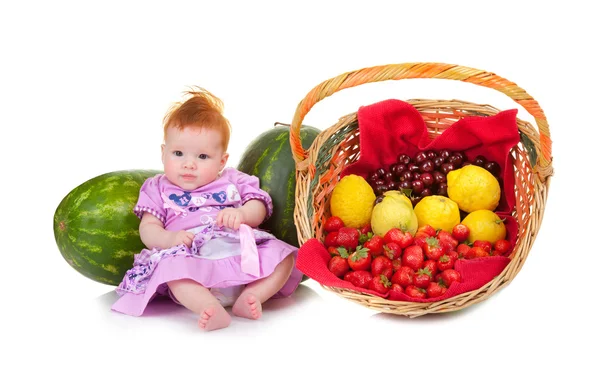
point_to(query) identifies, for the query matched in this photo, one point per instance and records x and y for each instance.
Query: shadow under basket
(318, 169)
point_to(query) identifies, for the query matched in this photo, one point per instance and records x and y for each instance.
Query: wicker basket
(319, 167)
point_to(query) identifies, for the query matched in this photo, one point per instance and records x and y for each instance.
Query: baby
(198, 224)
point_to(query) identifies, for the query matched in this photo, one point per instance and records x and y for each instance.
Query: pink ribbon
(250, 261)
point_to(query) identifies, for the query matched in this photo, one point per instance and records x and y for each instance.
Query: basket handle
(423, 70)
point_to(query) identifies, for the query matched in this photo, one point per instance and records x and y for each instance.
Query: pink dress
(214, 258)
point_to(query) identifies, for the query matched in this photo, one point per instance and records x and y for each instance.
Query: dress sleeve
(150, 200)
(249, 188)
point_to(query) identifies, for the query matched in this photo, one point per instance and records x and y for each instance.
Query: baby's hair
(201, 110)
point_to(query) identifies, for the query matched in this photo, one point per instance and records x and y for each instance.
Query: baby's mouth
(188, 176)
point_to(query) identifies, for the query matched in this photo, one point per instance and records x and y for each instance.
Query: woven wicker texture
(319, 167)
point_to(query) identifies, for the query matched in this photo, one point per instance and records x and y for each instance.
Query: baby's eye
(203, 156)
(178, 153)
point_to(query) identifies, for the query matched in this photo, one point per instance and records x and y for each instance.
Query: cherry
(391, 185)
(427, 166)
(445, 154)
(480, 161)
(380, 189)
(455, 160)
(397, 169)
(405, 176)
(412, 167)
(373, 177)
(426, 192)
(405, 185)
(493, 167)
(389, 177)
(417, 187)
(446, 168)
(439, 177)
(404, 159)
(379, 182)
(431, 155)
(442, 189)
(420, 157)
(428, 179)
(416, 176)
(438, 161)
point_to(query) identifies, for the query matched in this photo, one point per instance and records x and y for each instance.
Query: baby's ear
(224, 160)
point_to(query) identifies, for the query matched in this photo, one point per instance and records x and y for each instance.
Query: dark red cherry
(431, 155)
(439, 177)
(427, 179)
(426, 192)
(493, 167)
(442, 189)
(420, 157)
(446, 168)
(405, 176)
(427, 166)
(480, 161)
(403, 159)
(417, 187)
(406, 184)
(438, 161)
(444, 153)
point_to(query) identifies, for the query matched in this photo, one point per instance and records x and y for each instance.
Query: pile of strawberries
(419, 266)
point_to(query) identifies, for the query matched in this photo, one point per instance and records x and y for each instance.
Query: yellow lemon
(393, 212)
(437, 211)
(473, 188)
(352, 200)
(484, 225)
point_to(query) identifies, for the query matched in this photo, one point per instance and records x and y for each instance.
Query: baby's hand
(231, 217)
(182, 237)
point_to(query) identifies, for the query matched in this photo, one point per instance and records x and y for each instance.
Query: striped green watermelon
(269, 157)
(95, 228)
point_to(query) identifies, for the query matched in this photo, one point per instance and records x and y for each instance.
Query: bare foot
(247, 306)
(214, 317)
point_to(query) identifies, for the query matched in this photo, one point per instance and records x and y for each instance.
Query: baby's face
(192, 157)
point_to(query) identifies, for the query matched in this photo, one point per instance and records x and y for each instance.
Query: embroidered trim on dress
(268, 202)
(139, 212)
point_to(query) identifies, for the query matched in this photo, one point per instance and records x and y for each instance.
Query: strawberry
(450, 276)
(431, 265)
(396, 264)
(463, 250)
(487, 246)
(375, 245)
(432, 249)
(394, 235)
(461, 232)
(333, 223)
(338, 266)
(502, 247)
(477, 252)
(338, 251)
(404, 276)
(392, 250)
(348, 237)
(422, 278)
(447, 242)
(415, 292)
(453, 255)
(446, 262)
(413, 257)
(395, 292)
(359, 278)
(436, 289)
(380, 284)
(366, 229)
(360, 259)
(422, 234)
(331, 239)
(382, 265)
(407, 240)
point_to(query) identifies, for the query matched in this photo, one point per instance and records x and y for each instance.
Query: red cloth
(391, 127)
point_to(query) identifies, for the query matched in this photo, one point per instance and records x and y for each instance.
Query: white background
(84, 87)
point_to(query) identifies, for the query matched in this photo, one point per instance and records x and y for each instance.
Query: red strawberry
(463, 250)
(415, 292)
(502, 247)
(413, 257)
(431, 265)
(359, 278)
(477, 252)
(404, 276)
(333, 223)
(382, 265)
(445, 262)
(450, 276)
(394, 235)
(331, 239)
(348, 237)
(380, 284)
(366, 229)
(360, 259)
(487, 246)
(396, 264)
(447, 242)
(395, 292)
(392, 250)
(436, 289)
(426, 230)
(338, 251)
(432, 249)
(375, 245)
(407, 240)
(453, 255)
(461, 232)
(422, 278)
(338, 266)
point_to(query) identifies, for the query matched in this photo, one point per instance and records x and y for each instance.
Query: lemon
(473, 188)
(484, 225)
(437, 211)
(393, 211)
(352, 200)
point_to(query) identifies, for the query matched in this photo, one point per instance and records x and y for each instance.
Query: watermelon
(95, 228)
(269, 157)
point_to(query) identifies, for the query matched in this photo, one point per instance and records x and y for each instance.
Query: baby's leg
(199, 300)
(249, 303)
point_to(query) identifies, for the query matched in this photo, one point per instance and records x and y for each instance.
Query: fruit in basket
(352, 200)
(438, 212)
(269, 158)
(394, 211)
(473, 188)
(95, 227)
(485, 225)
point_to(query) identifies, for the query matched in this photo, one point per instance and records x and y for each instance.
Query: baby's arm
(254, 212)
(153, 234)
